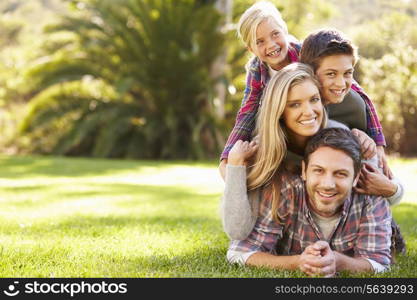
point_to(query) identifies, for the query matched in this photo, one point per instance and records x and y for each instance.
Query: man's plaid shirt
(364, 229)
(257, 78)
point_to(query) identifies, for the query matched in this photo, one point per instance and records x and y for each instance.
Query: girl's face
(271, 45)
(303, 113)
(335, 74)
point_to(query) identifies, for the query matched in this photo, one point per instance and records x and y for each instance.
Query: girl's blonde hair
(255, 15)
(271, 133)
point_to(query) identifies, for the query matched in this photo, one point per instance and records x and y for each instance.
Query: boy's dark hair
(323, 43)
(338, 139)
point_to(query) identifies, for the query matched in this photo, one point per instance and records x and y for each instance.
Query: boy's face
(329, 178)
(271, 45)
(335, 74)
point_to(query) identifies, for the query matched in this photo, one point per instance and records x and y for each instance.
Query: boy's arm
(374, 127)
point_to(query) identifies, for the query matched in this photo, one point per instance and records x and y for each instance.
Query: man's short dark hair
(338, 139)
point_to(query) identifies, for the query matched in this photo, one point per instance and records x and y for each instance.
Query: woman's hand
(373, 182)
(241, 152)
(368, 145)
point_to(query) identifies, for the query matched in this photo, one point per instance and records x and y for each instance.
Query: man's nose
(327, 182)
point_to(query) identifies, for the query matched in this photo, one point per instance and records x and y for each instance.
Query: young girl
(265, 34)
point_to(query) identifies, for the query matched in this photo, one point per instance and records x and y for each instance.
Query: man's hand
(373, 182)
(382, 162)
(241, 153)
(318, 259)
(368, 146)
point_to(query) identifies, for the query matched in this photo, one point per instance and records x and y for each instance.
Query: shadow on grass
(27, 166)
(103, 226)
(130, 196)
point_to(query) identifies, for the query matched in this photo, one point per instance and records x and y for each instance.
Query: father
(320, 226)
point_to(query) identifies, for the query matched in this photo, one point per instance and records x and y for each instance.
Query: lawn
(71, 217)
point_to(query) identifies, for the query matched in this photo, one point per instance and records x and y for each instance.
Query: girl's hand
(241, 152)
(368, 145)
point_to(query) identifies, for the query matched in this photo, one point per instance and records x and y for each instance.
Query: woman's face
(303, 113)
(271, 45)
(335, 74)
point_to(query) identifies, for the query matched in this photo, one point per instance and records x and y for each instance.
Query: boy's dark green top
(351, 111)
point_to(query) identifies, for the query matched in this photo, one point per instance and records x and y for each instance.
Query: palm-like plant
(131, 79)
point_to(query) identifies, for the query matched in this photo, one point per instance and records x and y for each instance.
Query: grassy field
(70, 217)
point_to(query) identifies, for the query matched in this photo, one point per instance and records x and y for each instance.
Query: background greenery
(73, 217)
(164, 79)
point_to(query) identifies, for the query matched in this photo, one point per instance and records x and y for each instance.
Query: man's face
(329, 178)
(335, 74)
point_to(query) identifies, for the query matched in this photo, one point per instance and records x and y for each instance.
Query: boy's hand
(382, 162)
(368, 146)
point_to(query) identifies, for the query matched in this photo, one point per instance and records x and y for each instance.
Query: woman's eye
(294, 105)
(276, 33)
(259, 42)
(315, 99)
(332, 74)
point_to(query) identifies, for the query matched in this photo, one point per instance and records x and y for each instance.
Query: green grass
(70, 217)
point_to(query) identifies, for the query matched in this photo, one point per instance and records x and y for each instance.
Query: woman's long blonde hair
(272, 138)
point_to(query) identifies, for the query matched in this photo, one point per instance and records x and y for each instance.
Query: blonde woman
(292, 112)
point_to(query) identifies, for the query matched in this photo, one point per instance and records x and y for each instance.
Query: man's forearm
(263, 259)
(352, 264)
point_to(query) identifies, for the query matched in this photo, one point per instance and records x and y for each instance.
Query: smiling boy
(322, 226)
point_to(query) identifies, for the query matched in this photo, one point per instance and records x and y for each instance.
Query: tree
(388, 74)
(392, 84)
(126, 78)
